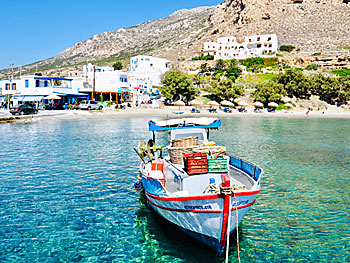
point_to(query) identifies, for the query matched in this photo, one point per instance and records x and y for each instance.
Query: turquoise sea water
(66, 193)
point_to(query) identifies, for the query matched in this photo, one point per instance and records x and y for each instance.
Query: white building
(34, 88)
(146, 71)
(111, 84)
(253, 46)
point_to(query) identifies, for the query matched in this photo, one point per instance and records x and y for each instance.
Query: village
(138, 85)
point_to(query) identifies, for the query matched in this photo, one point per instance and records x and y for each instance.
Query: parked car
(90, 105)
(23, 109)
(155, 96)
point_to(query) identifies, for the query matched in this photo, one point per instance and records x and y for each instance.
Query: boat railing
(254, 171)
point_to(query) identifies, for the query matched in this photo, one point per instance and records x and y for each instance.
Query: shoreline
(168, 112)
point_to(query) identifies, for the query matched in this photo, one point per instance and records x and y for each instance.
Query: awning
(77, 95)
(19, 98)
(32, 98)
(121, 90)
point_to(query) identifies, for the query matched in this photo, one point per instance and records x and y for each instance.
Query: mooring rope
(239, 259)
(228, 232)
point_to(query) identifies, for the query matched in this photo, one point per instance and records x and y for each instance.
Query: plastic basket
(217, 164)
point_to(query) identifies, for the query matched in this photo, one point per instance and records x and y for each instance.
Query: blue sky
(33, 30)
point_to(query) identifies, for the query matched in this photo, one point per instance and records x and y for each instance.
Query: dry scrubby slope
(310, 25)
(161, 33)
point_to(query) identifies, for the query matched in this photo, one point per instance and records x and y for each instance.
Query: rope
(228, 232)
(212, 188)
(239, 259)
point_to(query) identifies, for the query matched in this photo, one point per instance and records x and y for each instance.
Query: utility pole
(93, 85)
(8, 94)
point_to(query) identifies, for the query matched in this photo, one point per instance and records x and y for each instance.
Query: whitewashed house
(34, 89)
(253, 46)
(111, 84)
(146, 71)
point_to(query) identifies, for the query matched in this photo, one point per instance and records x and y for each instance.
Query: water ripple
(66, 193)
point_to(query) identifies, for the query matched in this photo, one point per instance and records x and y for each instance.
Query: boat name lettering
(194, 207)
(239, 203)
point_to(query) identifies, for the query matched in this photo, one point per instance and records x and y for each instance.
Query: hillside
(120, 44)
(312, 26)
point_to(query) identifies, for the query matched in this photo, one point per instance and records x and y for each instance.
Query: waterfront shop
(104, 84)
(46, 92)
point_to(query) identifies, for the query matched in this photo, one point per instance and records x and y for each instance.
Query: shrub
(341, 72)
(287, 48)
(312, 67)
(316, 54)
(269, 62)
(207, 57)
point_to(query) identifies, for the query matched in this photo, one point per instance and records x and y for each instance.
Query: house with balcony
(104, 82)
(253, 46)
(146, 72)
(34, 89)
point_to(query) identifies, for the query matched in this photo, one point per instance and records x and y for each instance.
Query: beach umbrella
(52, 97)
(286, 99)
(213, 103)
(195, 102)
(179, 103)
(226, 103)
(273, 105)
(258, 104)
(242, 104)
(288, 105)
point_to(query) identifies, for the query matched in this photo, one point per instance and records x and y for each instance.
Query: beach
(172, 112)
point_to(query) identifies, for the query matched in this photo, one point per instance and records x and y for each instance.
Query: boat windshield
(200, 133)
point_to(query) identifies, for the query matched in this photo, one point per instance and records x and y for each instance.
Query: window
(37, 83)
(46, 83)
(26, 83)
(258, 39)
(269, 39)
(7, 86)
(13, 86)
(258, 45)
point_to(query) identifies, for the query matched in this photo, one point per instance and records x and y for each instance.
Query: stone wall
(328, 63)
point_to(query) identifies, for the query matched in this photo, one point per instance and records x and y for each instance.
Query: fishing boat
(197, 186)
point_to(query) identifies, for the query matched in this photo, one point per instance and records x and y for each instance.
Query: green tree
(118, 65)
(268, 91)
(204, 68)
(333, 90)
(177, 84)
(232, 70)
(220, 66)
(225, 89)
(295, 83)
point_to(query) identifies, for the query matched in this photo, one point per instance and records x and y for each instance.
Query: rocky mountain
(312, 26)
(163, 33)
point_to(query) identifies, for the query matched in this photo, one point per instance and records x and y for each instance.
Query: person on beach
(307, 113)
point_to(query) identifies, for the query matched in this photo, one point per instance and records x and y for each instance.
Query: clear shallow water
(66, 193)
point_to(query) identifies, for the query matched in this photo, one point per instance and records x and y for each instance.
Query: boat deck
(178, 182)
